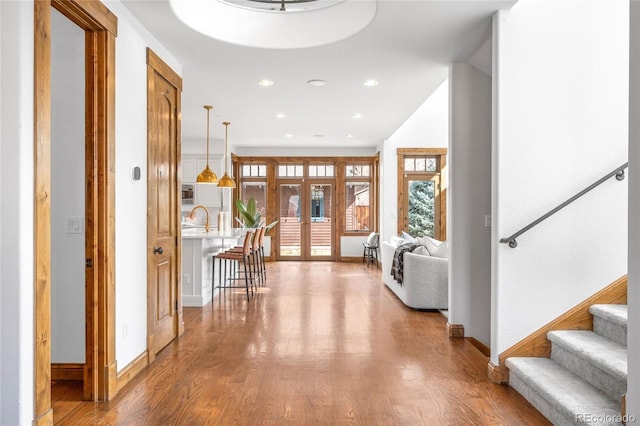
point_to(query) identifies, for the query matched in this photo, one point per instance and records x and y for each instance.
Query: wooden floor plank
(324, 343)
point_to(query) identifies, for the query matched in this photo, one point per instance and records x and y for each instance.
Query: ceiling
(406, 48)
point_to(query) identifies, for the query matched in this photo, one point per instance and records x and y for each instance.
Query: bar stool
(255, 254)
(239, 258)
(263, 266)
(371, 249)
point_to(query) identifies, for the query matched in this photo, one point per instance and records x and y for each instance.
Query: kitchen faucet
(206, 224)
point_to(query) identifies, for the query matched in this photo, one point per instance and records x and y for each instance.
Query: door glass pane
(290, 221)
(321, 198)
(257, 190)
(421, 208)
(357, 206)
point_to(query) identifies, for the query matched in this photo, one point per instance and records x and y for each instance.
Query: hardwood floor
(324, 344)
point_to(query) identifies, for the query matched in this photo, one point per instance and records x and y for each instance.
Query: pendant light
(226, 181)
(207, 176)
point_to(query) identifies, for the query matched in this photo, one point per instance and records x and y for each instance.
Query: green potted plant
(250, 215)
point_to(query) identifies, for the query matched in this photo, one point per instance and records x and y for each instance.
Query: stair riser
(613, 386)
(610, 330)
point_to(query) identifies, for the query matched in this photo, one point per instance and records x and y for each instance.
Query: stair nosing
(616, 366)
(600, 311)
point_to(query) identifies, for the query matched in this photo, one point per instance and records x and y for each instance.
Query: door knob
(157, 250)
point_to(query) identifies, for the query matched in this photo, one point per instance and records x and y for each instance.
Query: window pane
(366, 170)
(409, 165)
(312, 170)
(291, 170)
(329, 170)
(421, 164)
(257, 190)
(254, 170)
(421, 208)
(349, 170)
(431, 165)
(262, 170)
(357, 206)
(299, 171)
(245, 170)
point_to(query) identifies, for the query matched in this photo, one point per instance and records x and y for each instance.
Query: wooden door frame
(441, 168)
(155, 65)
(100, 27)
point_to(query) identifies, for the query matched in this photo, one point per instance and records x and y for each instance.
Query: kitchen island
(198, 248)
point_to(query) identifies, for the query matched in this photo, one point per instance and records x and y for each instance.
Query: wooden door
(319, 221)
(163, 260)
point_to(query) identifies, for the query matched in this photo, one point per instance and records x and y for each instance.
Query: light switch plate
(73, 224)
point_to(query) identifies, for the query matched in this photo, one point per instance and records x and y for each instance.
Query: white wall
(557, 129)
(131, 196)
(16, 212)
(470, 201)
(302, 152)
(67, 190)
(633, 287)
(428, 127)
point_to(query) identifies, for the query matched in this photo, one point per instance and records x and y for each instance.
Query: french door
(306, 219)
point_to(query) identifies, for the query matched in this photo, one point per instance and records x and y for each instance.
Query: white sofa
(425, 279)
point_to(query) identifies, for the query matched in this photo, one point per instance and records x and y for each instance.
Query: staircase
(586, 377)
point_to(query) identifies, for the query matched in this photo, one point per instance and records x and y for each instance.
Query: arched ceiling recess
(235, 23)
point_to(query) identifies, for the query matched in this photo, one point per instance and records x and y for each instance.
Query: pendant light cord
(208, 111)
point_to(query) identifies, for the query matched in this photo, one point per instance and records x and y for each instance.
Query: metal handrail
(618, 173)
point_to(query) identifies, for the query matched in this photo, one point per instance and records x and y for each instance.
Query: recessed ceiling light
(349, 136)
(316, 83)
(266, 83)
(318, 136)
(288, 136)
(357, 115)
(281, 115)
(371, 82)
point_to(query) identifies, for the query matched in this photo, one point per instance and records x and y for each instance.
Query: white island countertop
(199, 233)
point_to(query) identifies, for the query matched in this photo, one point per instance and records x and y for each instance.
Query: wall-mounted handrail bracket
(618, 173)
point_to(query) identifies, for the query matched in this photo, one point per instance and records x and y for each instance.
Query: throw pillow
(422, 250)
(408, 238)
(430, 243)
(396, 241)
(372, 239)
(442, 250)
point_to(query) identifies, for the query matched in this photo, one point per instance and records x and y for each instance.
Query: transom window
(420, 164)
(290, 171)
(358, 170)
(254, 170)
(321, 170)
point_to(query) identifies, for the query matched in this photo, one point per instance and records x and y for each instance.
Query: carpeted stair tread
(565, 392)
(615, 313)
(599, 351)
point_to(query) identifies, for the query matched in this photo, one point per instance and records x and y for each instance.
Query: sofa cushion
(422, 250)
(396, 241)
(442, 250)
(430, 243)
(408, 238)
